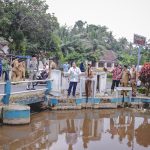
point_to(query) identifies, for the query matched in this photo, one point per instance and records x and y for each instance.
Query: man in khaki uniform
(125, 79)
(88, 83)
(134, 76)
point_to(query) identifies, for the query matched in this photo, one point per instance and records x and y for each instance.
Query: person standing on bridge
(5, 68)
(33, 68)
(74, 73)
(125, 79)
(116, 76)
(88, 82)
(133, 82)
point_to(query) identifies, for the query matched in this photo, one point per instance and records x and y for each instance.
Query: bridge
(8, 88)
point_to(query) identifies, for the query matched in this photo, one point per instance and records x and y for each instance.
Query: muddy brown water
(80, 130)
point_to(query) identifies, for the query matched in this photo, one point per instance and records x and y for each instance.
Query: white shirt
(47, 68)
(74, 74)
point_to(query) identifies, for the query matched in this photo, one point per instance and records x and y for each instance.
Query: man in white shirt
(74, 73)
(33, 67)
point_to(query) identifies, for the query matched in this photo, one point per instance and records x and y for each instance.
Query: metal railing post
(48, 86)
(7, 90)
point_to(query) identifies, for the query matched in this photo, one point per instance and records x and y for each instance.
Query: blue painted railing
(8, 86)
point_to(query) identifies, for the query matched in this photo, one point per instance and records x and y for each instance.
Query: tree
(126, 59)
(27, 23)
(90, 41)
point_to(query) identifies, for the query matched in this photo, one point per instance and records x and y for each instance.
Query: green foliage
(88, 42)
(125, 58)
(74, 56)
(28, 24)
(142, 90)
(109, 75)
(145, 55)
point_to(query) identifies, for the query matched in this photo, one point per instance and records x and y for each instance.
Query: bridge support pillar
(7, 91)
(49, 87)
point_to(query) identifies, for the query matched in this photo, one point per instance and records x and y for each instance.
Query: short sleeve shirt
(74, 74)
(33, 66)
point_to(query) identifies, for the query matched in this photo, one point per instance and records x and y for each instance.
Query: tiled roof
(108, 56)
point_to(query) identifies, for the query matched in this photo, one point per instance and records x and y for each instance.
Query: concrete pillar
(105, 64)
(113, 65)
(102, 81)
(96, 64)
(56, 83)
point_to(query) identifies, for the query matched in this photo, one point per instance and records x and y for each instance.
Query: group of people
(74, 73)
(122, 76)
(33, 69)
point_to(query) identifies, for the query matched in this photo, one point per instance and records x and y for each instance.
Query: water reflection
(143, 131)
(77, 130)
(122, 125)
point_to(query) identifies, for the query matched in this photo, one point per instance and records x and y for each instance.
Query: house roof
(3, 41)
(3, 46)
(108, 56)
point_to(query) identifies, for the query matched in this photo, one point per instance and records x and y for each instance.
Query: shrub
(142, 90)
(109, 75)
(144, 76)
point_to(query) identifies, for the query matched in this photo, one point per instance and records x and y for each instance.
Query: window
(109, 64)
(101, 64)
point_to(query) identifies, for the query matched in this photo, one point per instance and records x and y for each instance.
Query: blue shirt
(66, 67)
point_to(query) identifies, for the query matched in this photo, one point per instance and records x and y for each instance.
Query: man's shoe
(27, 88)
(33, 88)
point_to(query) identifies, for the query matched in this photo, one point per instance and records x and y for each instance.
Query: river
(119, 129)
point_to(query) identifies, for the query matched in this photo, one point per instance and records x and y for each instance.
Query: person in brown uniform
(125, 79)
(88, 82)
(133, 80)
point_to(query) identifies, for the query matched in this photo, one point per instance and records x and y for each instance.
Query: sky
(123, 17)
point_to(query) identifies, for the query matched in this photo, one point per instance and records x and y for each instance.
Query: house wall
(106, 64)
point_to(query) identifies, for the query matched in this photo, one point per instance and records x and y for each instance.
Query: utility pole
(139, 57)
(140, 41)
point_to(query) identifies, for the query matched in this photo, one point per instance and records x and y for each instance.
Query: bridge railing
(8, 86)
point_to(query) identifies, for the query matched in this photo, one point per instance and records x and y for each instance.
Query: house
(4, 49)
(108, 59)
